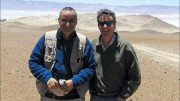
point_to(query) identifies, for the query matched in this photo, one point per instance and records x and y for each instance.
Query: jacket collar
(60, 35)
(98, 44)
(117, 40)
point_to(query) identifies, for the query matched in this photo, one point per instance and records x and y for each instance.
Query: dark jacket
(117, 71)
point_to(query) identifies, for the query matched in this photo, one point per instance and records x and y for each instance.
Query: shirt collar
(60, 35)
(111, 42)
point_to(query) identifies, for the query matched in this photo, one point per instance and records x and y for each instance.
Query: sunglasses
(64, 21)
(108, 23)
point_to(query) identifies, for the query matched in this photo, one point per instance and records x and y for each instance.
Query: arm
(36, 62)
(88, 67)
(133, 79)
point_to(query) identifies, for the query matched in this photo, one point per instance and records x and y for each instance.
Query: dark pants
(49, 99)
(98, 98)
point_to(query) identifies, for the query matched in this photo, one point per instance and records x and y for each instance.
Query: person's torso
(110, 72)
(62, 68)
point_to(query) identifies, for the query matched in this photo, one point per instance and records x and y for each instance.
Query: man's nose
(104, 25)
(67, 23)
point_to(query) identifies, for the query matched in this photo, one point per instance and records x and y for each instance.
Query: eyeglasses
(108, 23)
(64, 21)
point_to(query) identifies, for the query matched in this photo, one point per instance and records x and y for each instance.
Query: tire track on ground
(158, 53)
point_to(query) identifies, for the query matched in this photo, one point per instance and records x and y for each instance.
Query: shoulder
(81, 37)
(51, 34)
(125, 42)
(121, 41)
(127, 45)
(95, 41)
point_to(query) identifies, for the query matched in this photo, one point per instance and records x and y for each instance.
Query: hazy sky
(122, 2)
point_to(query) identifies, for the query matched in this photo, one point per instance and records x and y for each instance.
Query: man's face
(106, 25)
(67, 22)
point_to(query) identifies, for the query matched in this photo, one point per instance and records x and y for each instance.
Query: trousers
(49, 99)
(98, 98)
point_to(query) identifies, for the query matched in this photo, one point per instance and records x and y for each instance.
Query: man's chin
(68, 32)
(105, 33)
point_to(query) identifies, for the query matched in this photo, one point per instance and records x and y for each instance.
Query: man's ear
(58, 20)
(114, 25)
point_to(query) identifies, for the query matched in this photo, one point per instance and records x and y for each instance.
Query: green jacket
(117, 70)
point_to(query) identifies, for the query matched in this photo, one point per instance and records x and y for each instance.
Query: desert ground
(158, 55)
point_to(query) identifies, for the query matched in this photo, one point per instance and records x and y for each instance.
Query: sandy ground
(158, 56)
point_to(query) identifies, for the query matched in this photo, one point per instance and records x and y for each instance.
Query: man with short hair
(117, 74)
(67, 59)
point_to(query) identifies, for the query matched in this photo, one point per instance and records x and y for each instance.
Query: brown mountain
(88, 21)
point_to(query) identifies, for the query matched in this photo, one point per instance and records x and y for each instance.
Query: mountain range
(43, 5)
(88, 21)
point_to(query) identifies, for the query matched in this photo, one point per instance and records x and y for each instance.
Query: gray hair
(68, 9)
(106, 12)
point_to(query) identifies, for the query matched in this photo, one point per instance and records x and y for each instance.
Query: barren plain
(158, 55)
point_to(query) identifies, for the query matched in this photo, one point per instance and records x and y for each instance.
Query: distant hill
(42, 5)
(2, 20)
(87, 21)
(144, 22)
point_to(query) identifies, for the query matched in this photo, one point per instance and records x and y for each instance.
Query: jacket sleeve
(36, 62)
(88, 69)
(133, 79)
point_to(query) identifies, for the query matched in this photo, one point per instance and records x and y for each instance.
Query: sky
(121, 2)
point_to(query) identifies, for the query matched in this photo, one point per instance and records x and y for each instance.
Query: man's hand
(52, 83)
(68, 87)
